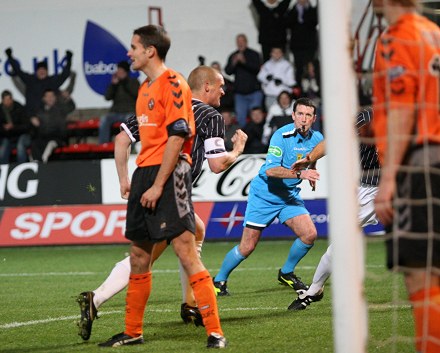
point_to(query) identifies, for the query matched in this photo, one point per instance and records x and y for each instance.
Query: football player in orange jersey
(407, 129)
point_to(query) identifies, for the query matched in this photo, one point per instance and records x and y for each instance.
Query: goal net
(347, 59)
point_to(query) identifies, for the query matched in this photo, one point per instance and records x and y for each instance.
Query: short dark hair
(41, 65)
(124, 65)
(155, 36)
(283, 93)
(50, 90)
(6, 93)
(304, 101)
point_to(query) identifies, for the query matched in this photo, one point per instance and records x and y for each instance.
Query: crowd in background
(260, 88)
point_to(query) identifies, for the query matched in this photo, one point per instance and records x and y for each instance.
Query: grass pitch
(39, 313)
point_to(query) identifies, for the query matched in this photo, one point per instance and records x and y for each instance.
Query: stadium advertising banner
(78, 202)
(231, 185)
(101, 224)
(59, 225)
(55, 183)
(96, 182)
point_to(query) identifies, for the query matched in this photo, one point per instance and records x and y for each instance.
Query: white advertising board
(231, 185)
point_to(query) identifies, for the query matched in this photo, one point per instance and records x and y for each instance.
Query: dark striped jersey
(369, 158)
(208, 142)
(210, 133)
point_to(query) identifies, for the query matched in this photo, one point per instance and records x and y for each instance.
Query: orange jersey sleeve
(406, 75)
(163, 107)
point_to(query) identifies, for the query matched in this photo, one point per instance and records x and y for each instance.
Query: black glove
(69, 54)
(269, 77)
(278, 82)
(8, 52)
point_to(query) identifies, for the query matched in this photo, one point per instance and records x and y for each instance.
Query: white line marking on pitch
(45, 321)
(36, 274)
(103, 313)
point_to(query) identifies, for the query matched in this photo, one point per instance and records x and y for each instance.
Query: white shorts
(366, 195)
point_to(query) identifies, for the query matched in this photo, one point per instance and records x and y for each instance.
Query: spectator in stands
(302, 21)
(14, 129)
(276, 75)
(123, 91)
(36, 84)
(51, 124)
(279, 114)
(254, 130)
(226, 101)
(310, 84)
(231, 127)
(21, 87)
(244, 64)
(272, 31)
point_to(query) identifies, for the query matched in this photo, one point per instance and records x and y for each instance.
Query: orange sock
(426, 310)
(139, 289)
(206, 300)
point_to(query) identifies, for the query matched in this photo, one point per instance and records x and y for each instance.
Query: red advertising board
(59, 225)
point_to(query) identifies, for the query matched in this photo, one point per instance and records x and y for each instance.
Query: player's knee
(246, 248)
(200, 228)
(138, 262)
(191, 264)
(309, 237)
(200, 234)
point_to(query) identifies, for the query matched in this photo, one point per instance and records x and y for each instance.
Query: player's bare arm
(284, 173)
(220, 164)
(122, 153)
(401, 124)
(311, 158)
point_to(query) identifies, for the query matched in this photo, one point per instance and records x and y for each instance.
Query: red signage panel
(58, 225)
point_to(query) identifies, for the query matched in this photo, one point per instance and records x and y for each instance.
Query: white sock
(184, 277)
(184, 282)
(322, 272)
(116, 281)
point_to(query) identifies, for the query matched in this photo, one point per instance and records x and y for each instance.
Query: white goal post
(339, 95)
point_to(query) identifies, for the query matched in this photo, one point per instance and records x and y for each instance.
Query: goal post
(339, 95)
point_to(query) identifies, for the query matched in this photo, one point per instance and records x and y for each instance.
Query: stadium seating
(81, 142)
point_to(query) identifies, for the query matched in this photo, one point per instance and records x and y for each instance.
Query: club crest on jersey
(275, 150)
(395, 72)
(299, 156)
(434, 65)
(151, 104)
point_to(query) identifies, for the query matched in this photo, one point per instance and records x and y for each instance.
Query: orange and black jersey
(208, 142)
(406, 76)
(163, 109)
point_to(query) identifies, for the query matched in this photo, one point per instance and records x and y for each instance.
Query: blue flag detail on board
(101, 53)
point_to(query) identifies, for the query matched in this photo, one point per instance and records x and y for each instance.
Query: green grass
(39, 313)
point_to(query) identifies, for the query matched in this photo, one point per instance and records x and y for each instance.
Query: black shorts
(174, 213)
(414, 239)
